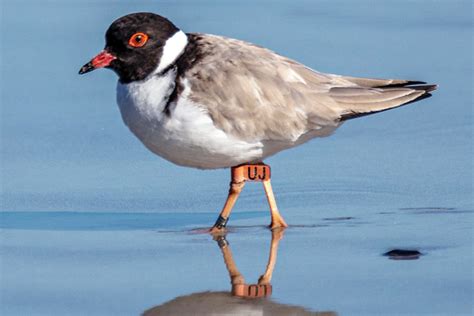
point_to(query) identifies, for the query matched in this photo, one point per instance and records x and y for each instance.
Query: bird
(208, 101)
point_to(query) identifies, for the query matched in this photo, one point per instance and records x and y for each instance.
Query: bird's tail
(369, 96)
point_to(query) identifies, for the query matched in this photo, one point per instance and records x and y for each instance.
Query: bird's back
(258, 95)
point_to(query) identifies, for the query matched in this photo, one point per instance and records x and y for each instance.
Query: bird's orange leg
(236, 185)
(277, 219)
(240, 174)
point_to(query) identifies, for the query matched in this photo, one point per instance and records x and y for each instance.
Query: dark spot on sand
(436, 210)
(342, 218)
(308, 225)
(403, 254)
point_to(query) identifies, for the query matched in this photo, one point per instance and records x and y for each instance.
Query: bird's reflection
(239, 287)
(243, 298)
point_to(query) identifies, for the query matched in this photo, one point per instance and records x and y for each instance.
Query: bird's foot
(217, 231)
(278, 224)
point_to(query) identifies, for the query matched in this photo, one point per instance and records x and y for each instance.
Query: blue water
(92, 223)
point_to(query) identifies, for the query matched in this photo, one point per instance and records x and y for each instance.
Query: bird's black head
(134, 46)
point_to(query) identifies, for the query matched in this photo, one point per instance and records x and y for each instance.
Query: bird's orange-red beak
(103, 59)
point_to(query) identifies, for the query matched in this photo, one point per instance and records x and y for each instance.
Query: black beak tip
(86, 68)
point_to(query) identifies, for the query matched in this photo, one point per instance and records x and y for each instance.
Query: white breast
(186, 136)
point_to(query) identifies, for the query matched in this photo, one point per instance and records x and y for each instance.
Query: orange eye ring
(138, 39)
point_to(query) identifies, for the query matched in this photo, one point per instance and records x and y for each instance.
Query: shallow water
(93, 224)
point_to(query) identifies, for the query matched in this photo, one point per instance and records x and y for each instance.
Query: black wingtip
(413, 82)
(406, 84)
(415, 85)
(426, 95)
(427, 87)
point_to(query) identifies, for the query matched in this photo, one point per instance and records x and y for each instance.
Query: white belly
(187, 136)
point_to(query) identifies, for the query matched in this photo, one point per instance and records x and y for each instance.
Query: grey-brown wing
(256, 94)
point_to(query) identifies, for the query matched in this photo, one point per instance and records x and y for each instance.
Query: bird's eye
(138, 39)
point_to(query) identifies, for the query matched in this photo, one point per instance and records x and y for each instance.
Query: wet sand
(329, 265)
